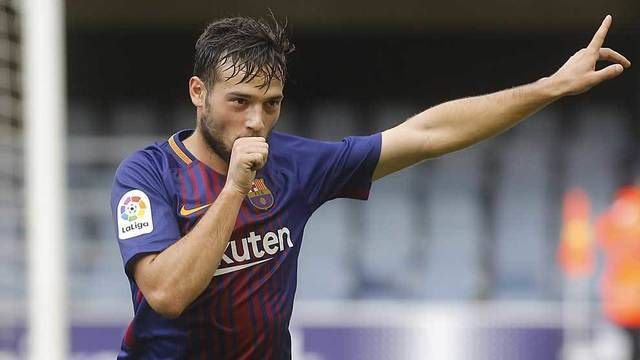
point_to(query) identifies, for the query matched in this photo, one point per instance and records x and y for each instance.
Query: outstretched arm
(457, 124)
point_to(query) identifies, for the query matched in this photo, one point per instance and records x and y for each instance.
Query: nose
(255, 119)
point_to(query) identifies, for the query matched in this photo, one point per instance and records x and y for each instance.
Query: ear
(197, 91)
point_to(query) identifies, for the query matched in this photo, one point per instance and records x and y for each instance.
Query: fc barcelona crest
(260, 195)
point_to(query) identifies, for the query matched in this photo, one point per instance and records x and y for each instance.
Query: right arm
(457, 124)
(172, 279)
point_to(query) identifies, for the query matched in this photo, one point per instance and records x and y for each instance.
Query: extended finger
(614, 56)
(601, 34)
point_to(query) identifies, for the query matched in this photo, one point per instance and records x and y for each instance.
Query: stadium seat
(453, 225)
(525, 208)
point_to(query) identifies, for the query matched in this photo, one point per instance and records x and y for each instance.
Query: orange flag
(576, 250)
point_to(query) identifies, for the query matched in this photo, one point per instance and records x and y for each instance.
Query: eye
(273, 103)
(239, 101)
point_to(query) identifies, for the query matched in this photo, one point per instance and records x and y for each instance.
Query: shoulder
(280, 139)
(291, 151)
(301, 147)
(293, 145)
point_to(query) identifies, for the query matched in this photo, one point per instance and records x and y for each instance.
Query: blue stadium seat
(453, 225)
(525, 208)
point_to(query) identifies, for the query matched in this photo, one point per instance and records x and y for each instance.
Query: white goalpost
(45, 177)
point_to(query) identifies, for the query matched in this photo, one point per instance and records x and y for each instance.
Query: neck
(197, 146)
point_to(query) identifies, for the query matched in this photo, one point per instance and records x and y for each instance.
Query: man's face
(233, 110)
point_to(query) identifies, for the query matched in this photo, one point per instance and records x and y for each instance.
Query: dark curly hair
(246, 45)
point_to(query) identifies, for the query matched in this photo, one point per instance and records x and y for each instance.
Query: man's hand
(174, 277)
(248, 155)
(579, 73)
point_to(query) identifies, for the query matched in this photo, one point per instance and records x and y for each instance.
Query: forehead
(254, 87)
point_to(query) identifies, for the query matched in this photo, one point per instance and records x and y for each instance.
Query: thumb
(609, 72)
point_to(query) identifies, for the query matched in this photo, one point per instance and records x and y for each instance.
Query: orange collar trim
(174, 146)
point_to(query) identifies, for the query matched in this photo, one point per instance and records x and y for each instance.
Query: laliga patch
(260, 196)
(134, 215)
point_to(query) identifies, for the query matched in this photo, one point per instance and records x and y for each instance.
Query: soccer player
(210, 221)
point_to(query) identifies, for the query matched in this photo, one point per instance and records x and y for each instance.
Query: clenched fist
(248, 155)
(579, 73)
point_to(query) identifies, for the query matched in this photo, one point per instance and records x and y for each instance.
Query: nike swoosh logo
(231, 269)
(186, 212)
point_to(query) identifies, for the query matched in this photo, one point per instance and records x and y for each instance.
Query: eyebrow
(245, 95)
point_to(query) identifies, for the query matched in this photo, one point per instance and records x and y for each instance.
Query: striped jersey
(160, 192)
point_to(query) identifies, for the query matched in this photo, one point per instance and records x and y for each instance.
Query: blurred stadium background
(451, 259)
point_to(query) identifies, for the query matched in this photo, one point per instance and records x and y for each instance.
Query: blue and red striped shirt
(160, 192)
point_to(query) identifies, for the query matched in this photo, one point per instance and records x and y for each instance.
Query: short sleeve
(141, 208)
(342, 169)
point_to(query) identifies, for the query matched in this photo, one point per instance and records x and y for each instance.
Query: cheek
(226, 122)
(273, 119)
